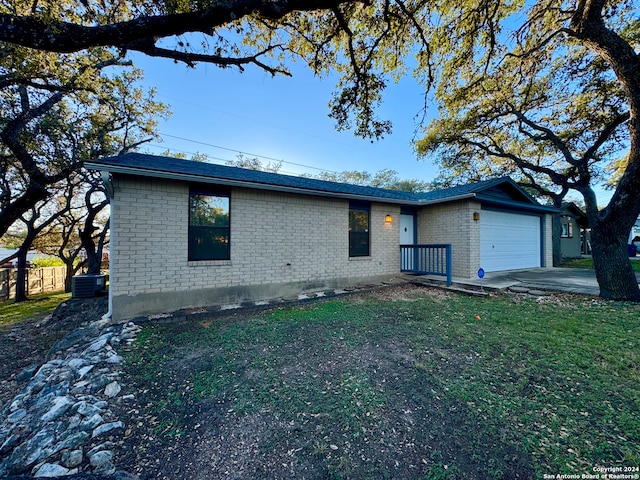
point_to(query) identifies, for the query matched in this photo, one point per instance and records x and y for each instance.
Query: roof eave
(198, 178)
(533, 206)
(454, 198)
(241, 183)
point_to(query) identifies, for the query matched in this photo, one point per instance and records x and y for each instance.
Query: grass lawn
(37, 306)
(421, 384)
(588, 263)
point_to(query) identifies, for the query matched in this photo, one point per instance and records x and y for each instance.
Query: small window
(567, 230)
(358, 230)
(209, 227)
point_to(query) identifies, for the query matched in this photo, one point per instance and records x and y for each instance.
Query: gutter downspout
(108, 184)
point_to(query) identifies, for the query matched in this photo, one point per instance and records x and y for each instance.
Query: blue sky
(283, 118)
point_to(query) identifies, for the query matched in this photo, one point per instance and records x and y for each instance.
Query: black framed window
(209, 225)
(359, 239)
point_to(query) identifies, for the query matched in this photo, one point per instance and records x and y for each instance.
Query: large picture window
(209, 226)
(359, 230)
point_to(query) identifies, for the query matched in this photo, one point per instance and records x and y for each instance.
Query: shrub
(40, 262)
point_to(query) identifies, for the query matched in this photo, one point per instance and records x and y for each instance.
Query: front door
(406, 230)
(407, 237)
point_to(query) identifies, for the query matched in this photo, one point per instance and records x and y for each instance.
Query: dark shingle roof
(461, 190)
(154, 165)
(175, 168)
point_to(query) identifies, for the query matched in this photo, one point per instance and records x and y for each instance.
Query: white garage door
(509, 241)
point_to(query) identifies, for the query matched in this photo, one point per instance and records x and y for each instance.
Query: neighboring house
(189, 234)
(634, 235)
(7, 252)
(574, 236)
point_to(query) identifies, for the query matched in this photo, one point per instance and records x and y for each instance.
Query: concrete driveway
(572, 280)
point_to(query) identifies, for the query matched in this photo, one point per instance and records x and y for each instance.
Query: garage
(509, 241)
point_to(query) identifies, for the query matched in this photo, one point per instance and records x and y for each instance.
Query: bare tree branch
(189, 58)
(547, 134)
(139, 34)
(604, 135)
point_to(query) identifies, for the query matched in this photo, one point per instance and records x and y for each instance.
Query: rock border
(60, 424)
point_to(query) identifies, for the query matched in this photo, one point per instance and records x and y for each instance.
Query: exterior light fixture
(476, 216)
(388, 219)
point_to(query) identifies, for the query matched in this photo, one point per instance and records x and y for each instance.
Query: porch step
(467, 291)
(472, 290)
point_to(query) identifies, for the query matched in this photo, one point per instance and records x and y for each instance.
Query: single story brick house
(188, 234)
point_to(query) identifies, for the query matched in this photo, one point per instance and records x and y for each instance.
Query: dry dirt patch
(357, 387)
(331, 396)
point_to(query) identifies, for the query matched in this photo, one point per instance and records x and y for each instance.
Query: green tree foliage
(554, 103)
(35, 222)
(58, 111)
(254, 163)
(42, 262)
(71, 220)
(385, 178)
(363, 42)
(545, 118)
(556, 83)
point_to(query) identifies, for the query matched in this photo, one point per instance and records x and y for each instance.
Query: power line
(251, 119)
(169, 149)
(209, 157)
(245, 153)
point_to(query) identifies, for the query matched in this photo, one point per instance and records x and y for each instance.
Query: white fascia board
(464, 196)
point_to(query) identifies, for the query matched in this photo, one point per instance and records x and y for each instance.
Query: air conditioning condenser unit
(89, 285)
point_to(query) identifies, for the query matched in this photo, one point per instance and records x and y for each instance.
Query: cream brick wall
(275, 238)
(453, 223)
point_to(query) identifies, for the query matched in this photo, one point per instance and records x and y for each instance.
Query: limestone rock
(26, 373)
(102, 462)
(92, 422)
(72, 440)
(46, 426)
(59, 407)
(51, 470)
(72, 458)
(16, 416)
(112, 389)
(107, 427)
(86, 409)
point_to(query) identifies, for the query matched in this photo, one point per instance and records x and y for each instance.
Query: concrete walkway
(570, 280)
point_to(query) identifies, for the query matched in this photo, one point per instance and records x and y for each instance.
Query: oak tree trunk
(68, 278)
(21, 276)
(93, 262)
(613, 268)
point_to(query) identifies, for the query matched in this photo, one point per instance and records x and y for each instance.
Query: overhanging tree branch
(495, 150)
(149, 48)
(547, 134)
(139, 33)
(605, 135)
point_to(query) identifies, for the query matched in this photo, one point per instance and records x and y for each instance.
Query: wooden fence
(39, 281)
